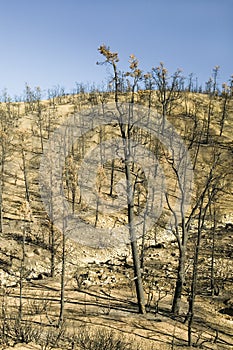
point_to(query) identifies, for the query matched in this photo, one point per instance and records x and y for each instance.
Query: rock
(37, 251)
(157, 246)
(229, 226)
(38, 277)
(86, 283)
(29, 254)
(227, 311)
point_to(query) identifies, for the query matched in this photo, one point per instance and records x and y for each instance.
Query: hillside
(97, 273)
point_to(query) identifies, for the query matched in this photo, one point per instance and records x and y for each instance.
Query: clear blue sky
(50, 42)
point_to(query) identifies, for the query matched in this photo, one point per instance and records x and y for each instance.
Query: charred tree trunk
(179, 283)
(133, 241)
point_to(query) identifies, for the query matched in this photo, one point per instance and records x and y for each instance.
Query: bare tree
(39, 116)
(56, 95)
(212, 92)
(26, 217)
(51, 203)
(23, 137)
(212, 186)
(136, 75)
(112, 59)
(168, 89)
(8, 122)
(126, 134)
(226, 96)
(149, 85)
(63, 271)
(71, 176)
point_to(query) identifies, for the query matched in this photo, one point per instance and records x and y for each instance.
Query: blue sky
(51, 42)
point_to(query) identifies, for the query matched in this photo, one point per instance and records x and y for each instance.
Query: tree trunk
(21, 276)
(1, 189)
(62, 295)
(223, 115)
(51, 231)
(27, 196)
(73, 198)
(210, 111)
(52, 250)
(143, 244)
(40, 129)
(1, 204)
(112, 177)
(192, 296)
(136, 261)
(179, 283)
(212, 279)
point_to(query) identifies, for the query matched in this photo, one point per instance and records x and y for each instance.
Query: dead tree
(208, 196)
(168, 89)
(226, 96)
(126, 134)
(8, 122)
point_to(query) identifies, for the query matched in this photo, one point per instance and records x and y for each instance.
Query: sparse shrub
(82, 279)
(53, 337)
(4, 339)
(156, 292)
(102, 339)
(38, 305)
(13, 331)
(23, 331)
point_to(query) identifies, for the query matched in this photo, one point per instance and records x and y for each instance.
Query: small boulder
(229, 226)
(37, 251)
